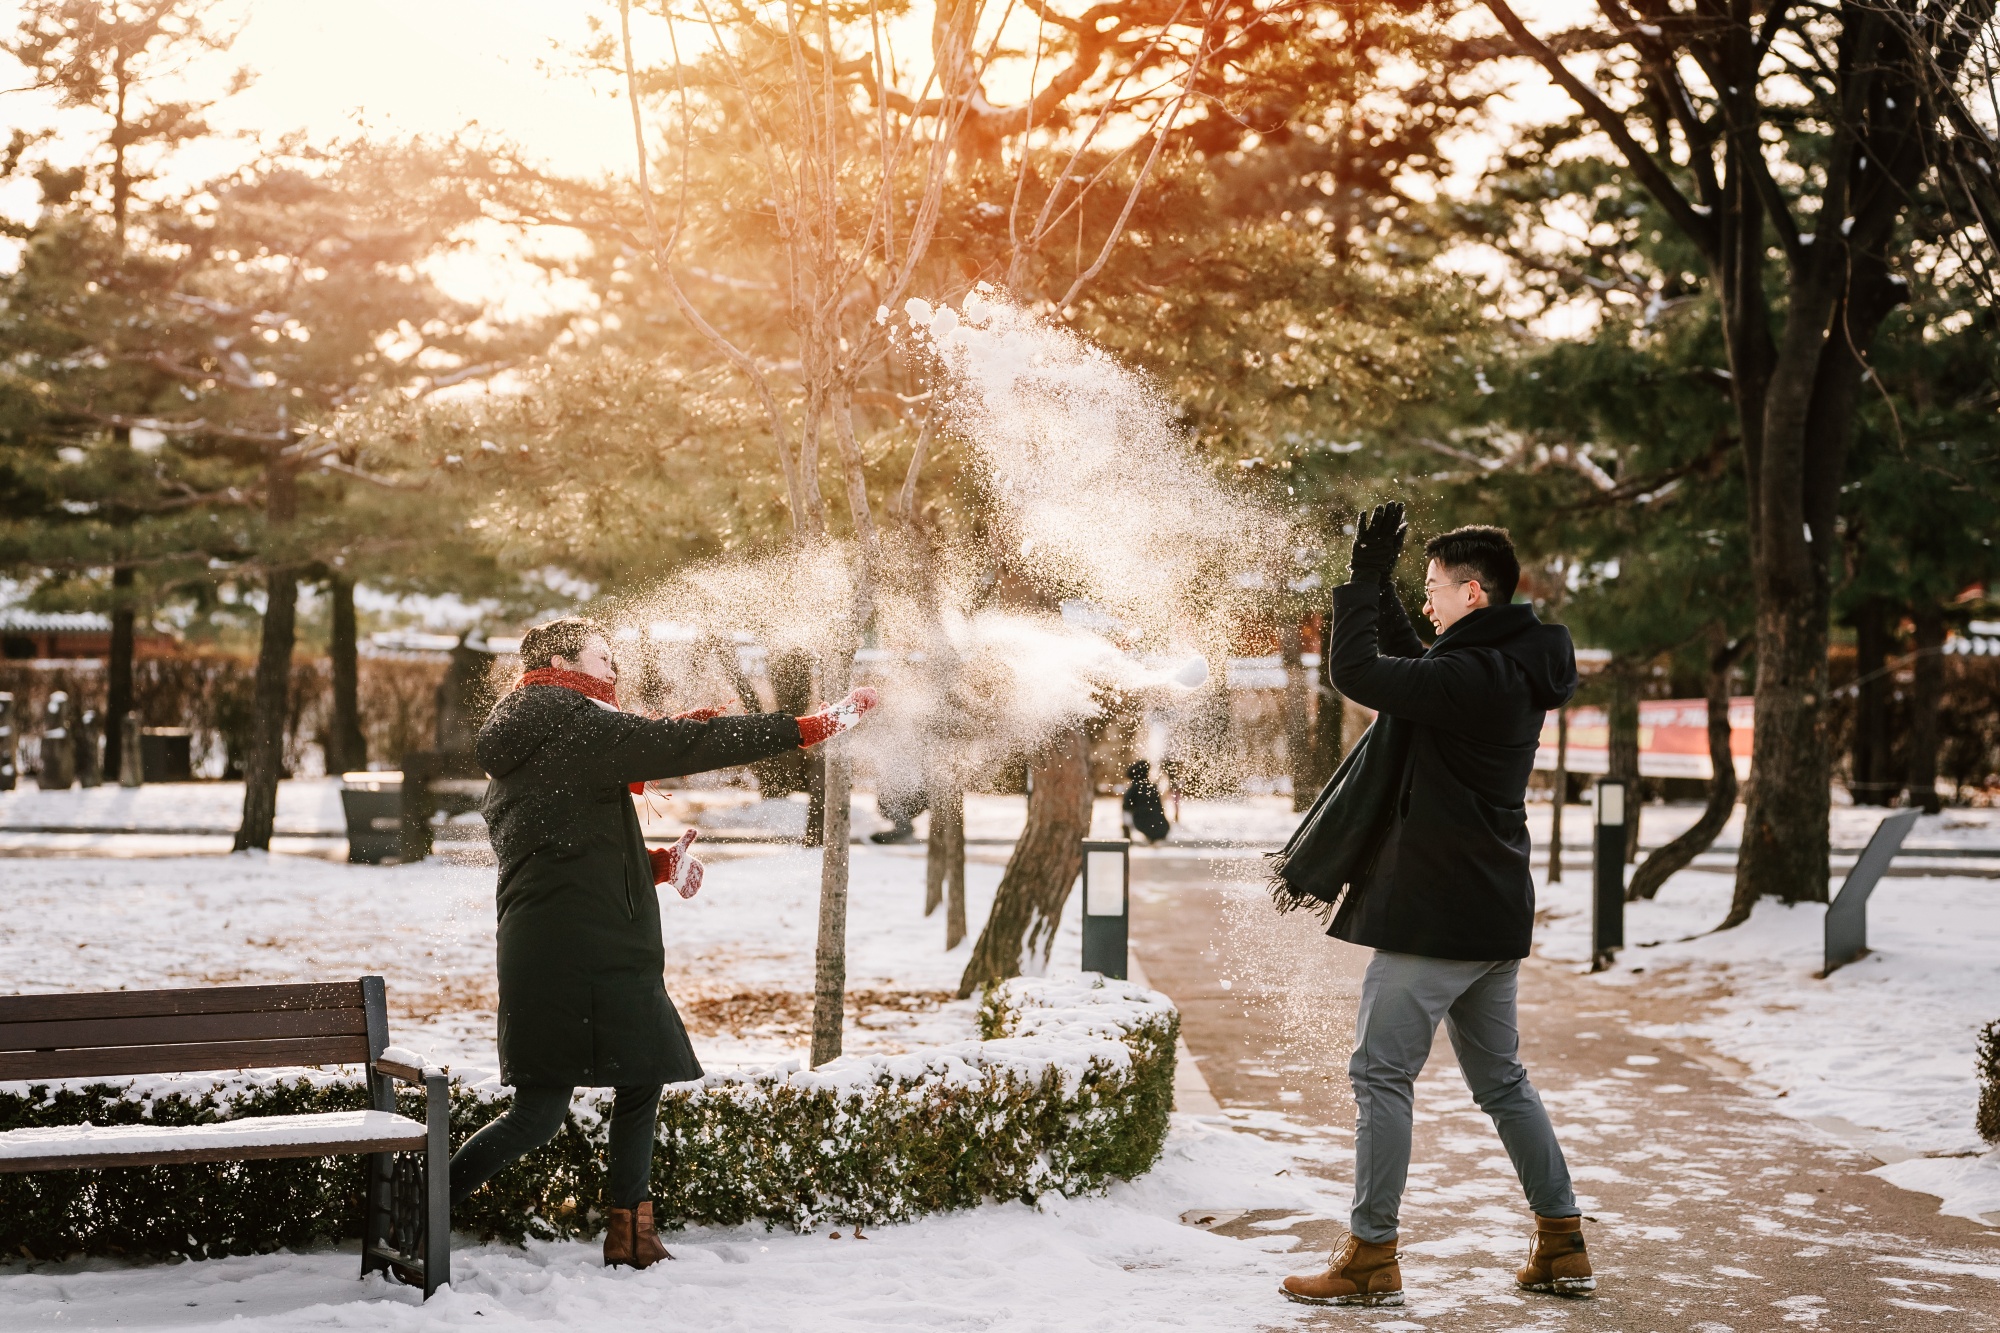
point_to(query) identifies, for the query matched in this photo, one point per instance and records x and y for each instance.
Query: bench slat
(260, 1138)
(180, 1029)
(109, 1060)
(192, 1000)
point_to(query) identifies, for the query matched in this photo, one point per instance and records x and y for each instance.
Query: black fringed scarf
(1336, 842)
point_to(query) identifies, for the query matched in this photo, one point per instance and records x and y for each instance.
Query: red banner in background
(1673, 739)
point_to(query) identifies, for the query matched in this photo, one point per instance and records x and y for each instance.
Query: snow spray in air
(1143, 562)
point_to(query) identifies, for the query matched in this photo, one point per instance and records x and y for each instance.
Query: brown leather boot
(1362, 1274)
(1557, 1261)
(629, 1238)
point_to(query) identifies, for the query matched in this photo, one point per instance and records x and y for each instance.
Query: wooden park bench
(406, 1227)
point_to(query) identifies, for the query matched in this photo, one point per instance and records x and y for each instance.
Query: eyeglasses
(1433, 589)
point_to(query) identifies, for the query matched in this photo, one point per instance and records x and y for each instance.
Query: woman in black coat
(583, 1002)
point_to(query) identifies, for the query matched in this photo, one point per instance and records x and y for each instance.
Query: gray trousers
(1402, 998)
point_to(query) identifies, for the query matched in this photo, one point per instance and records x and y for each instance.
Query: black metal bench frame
(406, 1225)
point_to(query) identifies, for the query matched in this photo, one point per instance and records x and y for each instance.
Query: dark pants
(537, 1116)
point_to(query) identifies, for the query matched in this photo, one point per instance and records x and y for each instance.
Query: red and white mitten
(676, 865)
(830, 721)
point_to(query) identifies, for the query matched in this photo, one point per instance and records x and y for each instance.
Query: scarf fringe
(1287, 899)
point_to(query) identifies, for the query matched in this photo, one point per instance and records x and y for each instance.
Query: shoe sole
(1565, 1286)
(1359, 1298)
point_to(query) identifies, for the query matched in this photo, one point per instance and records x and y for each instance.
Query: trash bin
(166, 754)
(373, 803)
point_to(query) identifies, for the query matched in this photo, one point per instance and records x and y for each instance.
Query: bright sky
(396, 67)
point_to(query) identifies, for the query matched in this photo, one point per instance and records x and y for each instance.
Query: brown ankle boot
(629, 1238)
(1362, 1274)
(1557, 1261)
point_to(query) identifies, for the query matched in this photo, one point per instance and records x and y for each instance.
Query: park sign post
(1607, 915)
(1107, 906)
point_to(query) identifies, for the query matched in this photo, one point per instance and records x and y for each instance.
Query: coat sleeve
(626, 748)
(1397, 636)
(1451, 690)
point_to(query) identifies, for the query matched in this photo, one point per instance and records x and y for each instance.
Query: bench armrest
(405, 1065)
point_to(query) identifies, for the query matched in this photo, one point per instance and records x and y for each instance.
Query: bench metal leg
(376, 1211)
(437, 1202)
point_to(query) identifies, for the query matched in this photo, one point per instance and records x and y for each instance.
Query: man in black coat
(1440, 887)
(583, 1002)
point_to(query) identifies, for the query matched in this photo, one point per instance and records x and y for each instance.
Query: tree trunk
(944, 862)
(1044, 867)
(1678, 854)
(1871, 784)
(1623, 762)
(1562, 797)
(1298, 722)
(1924, 703)
(118, 673)
(830, 957)
(266, 759)
(347, 748)
(1787, 809)
(1794, 474)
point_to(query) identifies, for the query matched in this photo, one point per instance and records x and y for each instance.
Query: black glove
(1378, 542)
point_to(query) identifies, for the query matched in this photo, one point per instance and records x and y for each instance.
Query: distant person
(1419, 848)
(1143, 809)
(900, 802)
(582, 999)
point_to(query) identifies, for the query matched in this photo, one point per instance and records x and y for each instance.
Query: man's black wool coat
(1450, 878)
(582, 999)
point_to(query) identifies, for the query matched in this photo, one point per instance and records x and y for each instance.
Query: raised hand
(830, 721)
(1378, 542)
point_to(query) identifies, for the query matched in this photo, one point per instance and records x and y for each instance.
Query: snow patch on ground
(1119, 1263)
(1881, 1053)
(91, 924)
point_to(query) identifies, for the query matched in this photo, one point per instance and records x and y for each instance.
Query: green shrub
(1069, 1090)
(1989, 1082)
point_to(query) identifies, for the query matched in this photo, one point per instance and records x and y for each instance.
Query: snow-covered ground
(739, 954)
(1880, 1053)
(1123, 1263)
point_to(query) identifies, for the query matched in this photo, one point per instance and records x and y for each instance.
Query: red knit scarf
(604, 691)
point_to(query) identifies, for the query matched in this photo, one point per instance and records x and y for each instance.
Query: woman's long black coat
(582, 999)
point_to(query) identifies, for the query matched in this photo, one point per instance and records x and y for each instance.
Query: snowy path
(1713, 1206)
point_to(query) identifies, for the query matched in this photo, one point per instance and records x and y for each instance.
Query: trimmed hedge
(1068, 1090)
(1988, 1121)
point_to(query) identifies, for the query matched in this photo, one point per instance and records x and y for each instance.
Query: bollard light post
(1107, 906)
(7, 739)
(1607, 916)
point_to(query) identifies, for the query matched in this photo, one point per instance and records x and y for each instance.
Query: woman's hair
(557, 638)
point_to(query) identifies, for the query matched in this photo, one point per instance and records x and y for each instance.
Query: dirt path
(1713, 1212)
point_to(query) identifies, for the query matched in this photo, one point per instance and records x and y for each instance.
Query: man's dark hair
(1482, 553)
(558, 638)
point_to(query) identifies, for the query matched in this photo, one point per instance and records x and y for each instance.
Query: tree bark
(1623, 760)
(272, 695)
(1562, 797)
(1298, 721)
(1871, 784)
(347, 748)
(1044, 867)
(1671, 859)
(1924, 703)
(118, 672)
(830, 957)
(944, 863)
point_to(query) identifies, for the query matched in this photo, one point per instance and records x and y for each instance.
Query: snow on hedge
(1069, 1091)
